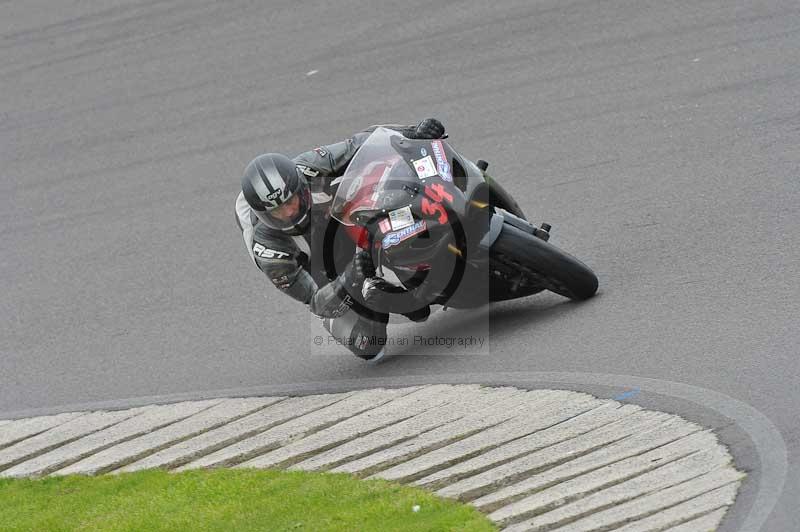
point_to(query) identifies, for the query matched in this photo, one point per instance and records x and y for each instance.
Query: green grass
(226, 500)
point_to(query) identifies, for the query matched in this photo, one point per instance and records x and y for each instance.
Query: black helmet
(277, 192)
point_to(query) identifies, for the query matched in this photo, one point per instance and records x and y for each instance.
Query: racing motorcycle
(449, 233)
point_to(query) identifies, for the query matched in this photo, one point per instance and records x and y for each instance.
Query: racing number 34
(432, 205)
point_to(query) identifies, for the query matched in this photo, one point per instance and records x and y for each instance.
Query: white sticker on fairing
(424, 167)
(401, 218)
(392, 239)
(441, 160)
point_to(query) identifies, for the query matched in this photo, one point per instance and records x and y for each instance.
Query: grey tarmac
(658, 138)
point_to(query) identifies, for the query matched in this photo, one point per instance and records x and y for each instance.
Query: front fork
(542, 232)
(495, 225)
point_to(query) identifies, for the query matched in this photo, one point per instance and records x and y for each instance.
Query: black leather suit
(295, 264)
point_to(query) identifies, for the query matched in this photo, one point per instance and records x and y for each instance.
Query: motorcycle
(450, 234)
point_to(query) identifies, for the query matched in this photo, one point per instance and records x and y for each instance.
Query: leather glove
(361, 268)
(430, 128)
(363, 265)
(335, 298)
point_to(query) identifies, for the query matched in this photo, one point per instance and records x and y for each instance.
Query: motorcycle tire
(542, 264)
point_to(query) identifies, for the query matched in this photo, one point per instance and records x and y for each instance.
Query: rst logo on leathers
(266, 253)
(343, 307)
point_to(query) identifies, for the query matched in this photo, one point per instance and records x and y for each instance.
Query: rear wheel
(530, 262)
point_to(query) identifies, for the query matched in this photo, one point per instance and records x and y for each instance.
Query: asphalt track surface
(659, 138)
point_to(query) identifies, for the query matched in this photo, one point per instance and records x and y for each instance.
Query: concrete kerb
(539, 459)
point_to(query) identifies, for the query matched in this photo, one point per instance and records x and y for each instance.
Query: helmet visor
(290, 213)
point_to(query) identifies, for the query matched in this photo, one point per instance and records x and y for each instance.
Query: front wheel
(528, 261)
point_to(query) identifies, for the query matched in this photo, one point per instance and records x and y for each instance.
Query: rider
(283, 213)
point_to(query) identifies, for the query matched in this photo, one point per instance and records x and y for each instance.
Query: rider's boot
(419, 315)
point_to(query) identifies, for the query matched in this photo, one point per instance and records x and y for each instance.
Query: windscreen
(374, 173)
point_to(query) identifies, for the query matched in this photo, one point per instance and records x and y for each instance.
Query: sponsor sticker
(441, 160)
(392, 239)
(400, 218)
(423, 152)
(384, 225)
(275, 194)
(424, 167)
(322, 152)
